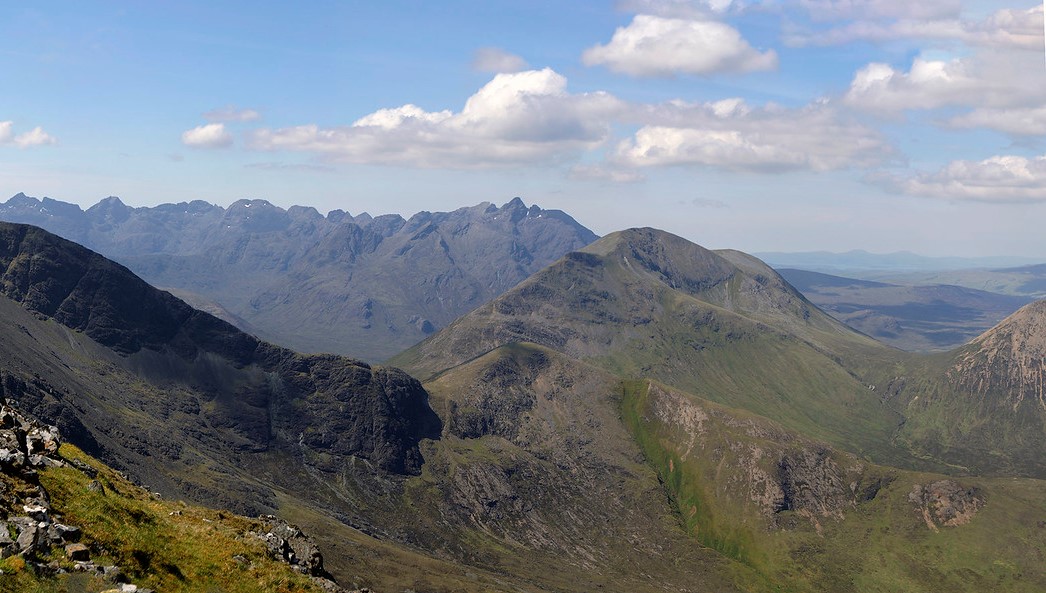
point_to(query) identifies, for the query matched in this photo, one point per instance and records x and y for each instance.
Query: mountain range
(641, 414)
(357, 285)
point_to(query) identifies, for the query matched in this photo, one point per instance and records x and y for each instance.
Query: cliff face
(254, 396)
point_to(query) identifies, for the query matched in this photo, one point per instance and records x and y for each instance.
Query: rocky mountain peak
(111, 209)
(676, 261)
(1009, 359)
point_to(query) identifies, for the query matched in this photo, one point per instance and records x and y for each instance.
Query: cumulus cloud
(231, 113)
(516, 118)
(731, 135)
(497, 61)
(985, 79)
(1015, 28)
(658, 46)
(996, 179)
(207, 136)
(35, 137)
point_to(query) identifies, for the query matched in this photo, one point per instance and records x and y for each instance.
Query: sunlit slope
(810, 517)
(644, 303)
(981, 407)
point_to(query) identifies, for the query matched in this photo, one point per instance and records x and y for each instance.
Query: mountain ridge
(360, 285)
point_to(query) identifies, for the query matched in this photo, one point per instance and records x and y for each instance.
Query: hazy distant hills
(358, 285)
(897, 262)
(916, 318)
(642, 415)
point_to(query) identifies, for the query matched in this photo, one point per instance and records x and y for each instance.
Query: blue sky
(760, 125)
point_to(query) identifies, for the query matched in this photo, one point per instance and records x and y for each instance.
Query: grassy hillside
(812, 518)
(644, 304)
(156, 544)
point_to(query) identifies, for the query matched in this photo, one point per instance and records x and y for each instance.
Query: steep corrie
(195, 409)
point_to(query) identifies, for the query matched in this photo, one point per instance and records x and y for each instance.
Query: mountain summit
(722, 325)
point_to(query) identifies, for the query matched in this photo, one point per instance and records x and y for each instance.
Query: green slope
(812, 518)
(643, 303)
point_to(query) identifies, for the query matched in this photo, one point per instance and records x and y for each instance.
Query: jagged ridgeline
(359, 285)
(641, 415)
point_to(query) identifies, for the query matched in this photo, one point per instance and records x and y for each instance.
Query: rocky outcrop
(288, 544)
(946, 503)
(28, 526)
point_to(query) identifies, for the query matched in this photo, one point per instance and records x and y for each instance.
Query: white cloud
(231, 113)
(987, 79)
(1006, 28)
(996, 179)
(35, 137)
(1030, 121)
(731, 135)
(516, 118)
(658, 46)
(497, 61)
(207, 136)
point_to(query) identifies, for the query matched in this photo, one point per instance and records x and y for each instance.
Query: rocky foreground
(35, 537)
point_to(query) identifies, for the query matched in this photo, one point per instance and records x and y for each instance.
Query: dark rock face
(810, 479)
(269, 396)
(363, 286)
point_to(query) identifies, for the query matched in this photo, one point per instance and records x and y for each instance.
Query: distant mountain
(357, 285)
(914, 318)
(900, 261)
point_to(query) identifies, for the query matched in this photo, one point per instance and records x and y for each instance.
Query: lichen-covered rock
(287, 543)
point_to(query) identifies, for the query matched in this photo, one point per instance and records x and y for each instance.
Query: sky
(761, 125)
